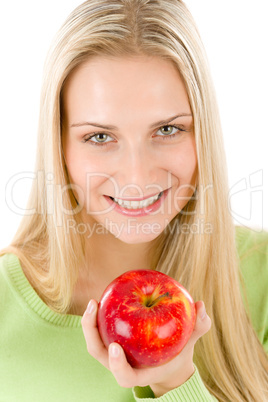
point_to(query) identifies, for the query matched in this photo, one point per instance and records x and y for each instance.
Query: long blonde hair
(51, 254)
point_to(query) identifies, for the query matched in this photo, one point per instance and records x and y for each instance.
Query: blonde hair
(210, 272)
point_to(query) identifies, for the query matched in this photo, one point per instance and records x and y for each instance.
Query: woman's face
(129, 144)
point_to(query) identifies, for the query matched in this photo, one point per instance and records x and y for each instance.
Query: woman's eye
(167, 131)
(99, 138)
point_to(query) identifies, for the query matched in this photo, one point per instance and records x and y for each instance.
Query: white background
(235, 34)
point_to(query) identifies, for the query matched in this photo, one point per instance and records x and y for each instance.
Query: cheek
(184, 164)
(89, 182)
(188, 168)
(80, 165)
(84, 174)
(185, 171)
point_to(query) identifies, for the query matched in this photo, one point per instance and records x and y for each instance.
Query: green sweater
(43, 355)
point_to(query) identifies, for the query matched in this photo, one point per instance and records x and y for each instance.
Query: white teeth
(137, 204)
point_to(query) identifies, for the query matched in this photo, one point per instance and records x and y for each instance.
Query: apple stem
(152, 302)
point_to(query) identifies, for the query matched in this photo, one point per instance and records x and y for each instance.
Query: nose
(137, 172)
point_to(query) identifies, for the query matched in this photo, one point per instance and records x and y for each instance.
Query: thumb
(202, 323)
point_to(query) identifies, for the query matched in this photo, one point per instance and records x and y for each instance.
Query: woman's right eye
(99, 139)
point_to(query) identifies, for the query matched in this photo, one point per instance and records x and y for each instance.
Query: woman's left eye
(169, 131)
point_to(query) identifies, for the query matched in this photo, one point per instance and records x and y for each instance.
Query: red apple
(149, 314)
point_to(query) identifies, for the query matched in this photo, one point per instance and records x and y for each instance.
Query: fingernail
(203, 313)
(114, 350)
(90, 307)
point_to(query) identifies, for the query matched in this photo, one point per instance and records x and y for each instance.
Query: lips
(134, 207)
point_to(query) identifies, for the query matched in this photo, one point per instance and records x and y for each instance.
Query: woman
(130, 175)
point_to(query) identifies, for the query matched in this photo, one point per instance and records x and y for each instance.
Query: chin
(139, 233)
(136, 239)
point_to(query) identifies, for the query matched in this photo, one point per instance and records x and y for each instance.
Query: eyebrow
(108, 127)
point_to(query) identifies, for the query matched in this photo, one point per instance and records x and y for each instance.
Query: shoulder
(9, 269)
(3, 267)
(252, 248)
(6, 260)
(5, 288)
(251, 240)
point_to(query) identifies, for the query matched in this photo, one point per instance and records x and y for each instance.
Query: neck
(111, 252)
(107, 257)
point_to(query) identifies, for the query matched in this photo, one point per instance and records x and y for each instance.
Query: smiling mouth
(137, 204)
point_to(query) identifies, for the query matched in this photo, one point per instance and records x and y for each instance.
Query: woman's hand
(162, 378)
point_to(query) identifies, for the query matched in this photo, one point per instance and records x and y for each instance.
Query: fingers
(124, 374)
(203, 322)
(94, 343)
(115, 359)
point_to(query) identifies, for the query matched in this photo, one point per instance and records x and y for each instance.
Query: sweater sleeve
(192, 390)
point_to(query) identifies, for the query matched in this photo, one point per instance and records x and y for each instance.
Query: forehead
(124, 84)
